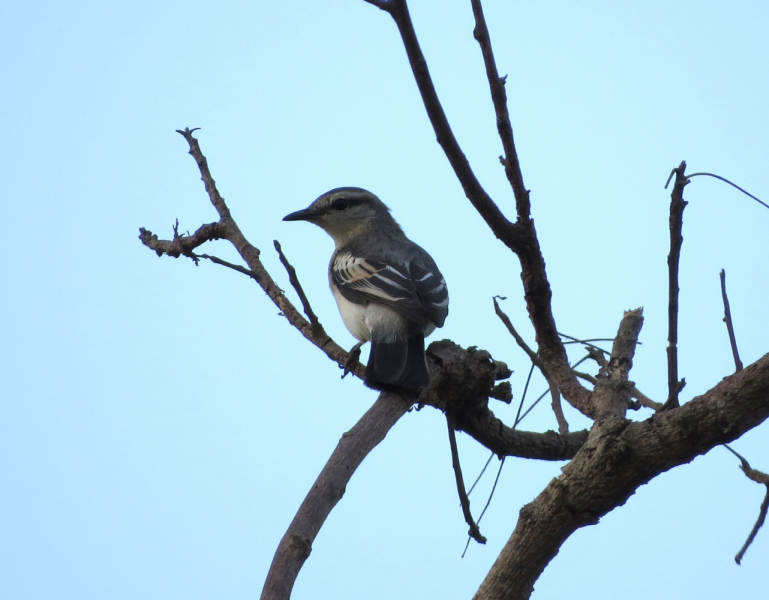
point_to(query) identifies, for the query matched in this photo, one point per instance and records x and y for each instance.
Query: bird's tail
(397, 364)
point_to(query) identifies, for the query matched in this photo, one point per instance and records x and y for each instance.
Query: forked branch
(520, 237)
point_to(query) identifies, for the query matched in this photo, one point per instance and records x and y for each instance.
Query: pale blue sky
(160, 423)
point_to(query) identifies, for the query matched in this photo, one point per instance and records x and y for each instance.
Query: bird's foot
(352, 359)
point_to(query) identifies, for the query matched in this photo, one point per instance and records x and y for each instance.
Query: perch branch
(227, 228)
(729, 325)
(677, 205)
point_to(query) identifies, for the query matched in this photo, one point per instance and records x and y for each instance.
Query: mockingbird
(388, 289)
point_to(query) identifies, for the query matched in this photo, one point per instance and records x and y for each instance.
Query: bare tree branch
(555, 395)
(758, 477)
(292, 277)
(328, 489)
(617, 458)
(520, 236)
(729, 325)
(505, 129)
(227, 228)
(473, 532)
(677, 205)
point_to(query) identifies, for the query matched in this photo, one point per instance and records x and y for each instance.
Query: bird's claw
(352, 359)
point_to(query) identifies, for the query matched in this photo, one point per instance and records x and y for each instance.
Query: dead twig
(555, 395)
(504, 128)
(298, 287)
(473, 532)
(677, 205)
(729, 325)
(758, 477)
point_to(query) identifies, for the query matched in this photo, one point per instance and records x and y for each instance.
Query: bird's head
(345, 212)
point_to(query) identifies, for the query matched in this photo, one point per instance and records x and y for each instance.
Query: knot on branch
(183, 244)
(463, 380)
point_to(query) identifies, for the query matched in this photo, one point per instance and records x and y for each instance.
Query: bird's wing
(415, 290)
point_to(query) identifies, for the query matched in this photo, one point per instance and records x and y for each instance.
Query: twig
(229, 265)
(298, 287)
(634, 392)
(724, 179)
(729, 325)
(473, 532)
(505, 129)
(758, 477)
(573, 340)
(555, 395)
(677, 205)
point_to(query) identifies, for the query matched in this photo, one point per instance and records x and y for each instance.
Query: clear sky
(160, 423)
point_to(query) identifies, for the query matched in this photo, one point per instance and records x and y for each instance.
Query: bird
(389, 290)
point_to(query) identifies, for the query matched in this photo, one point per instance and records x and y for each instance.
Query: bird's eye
(340, 204)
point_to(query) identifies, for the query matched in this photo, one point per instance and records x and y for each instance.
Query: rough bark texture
(618, 457)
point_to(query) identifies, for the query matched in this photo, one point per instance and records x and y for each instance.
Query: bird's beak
(302, 215)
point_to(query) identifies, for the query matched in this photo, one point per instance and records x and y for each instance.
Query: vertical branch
(729, 325)
(677, 205)
(473, 532)
(505, 129)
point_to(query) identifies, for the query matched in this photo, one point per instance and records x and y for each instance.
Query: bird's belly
(364, 321)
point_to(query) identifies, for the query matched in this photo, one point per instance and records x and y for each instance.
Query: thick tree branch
(611, 396)
(617, 458)
(460, 381)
